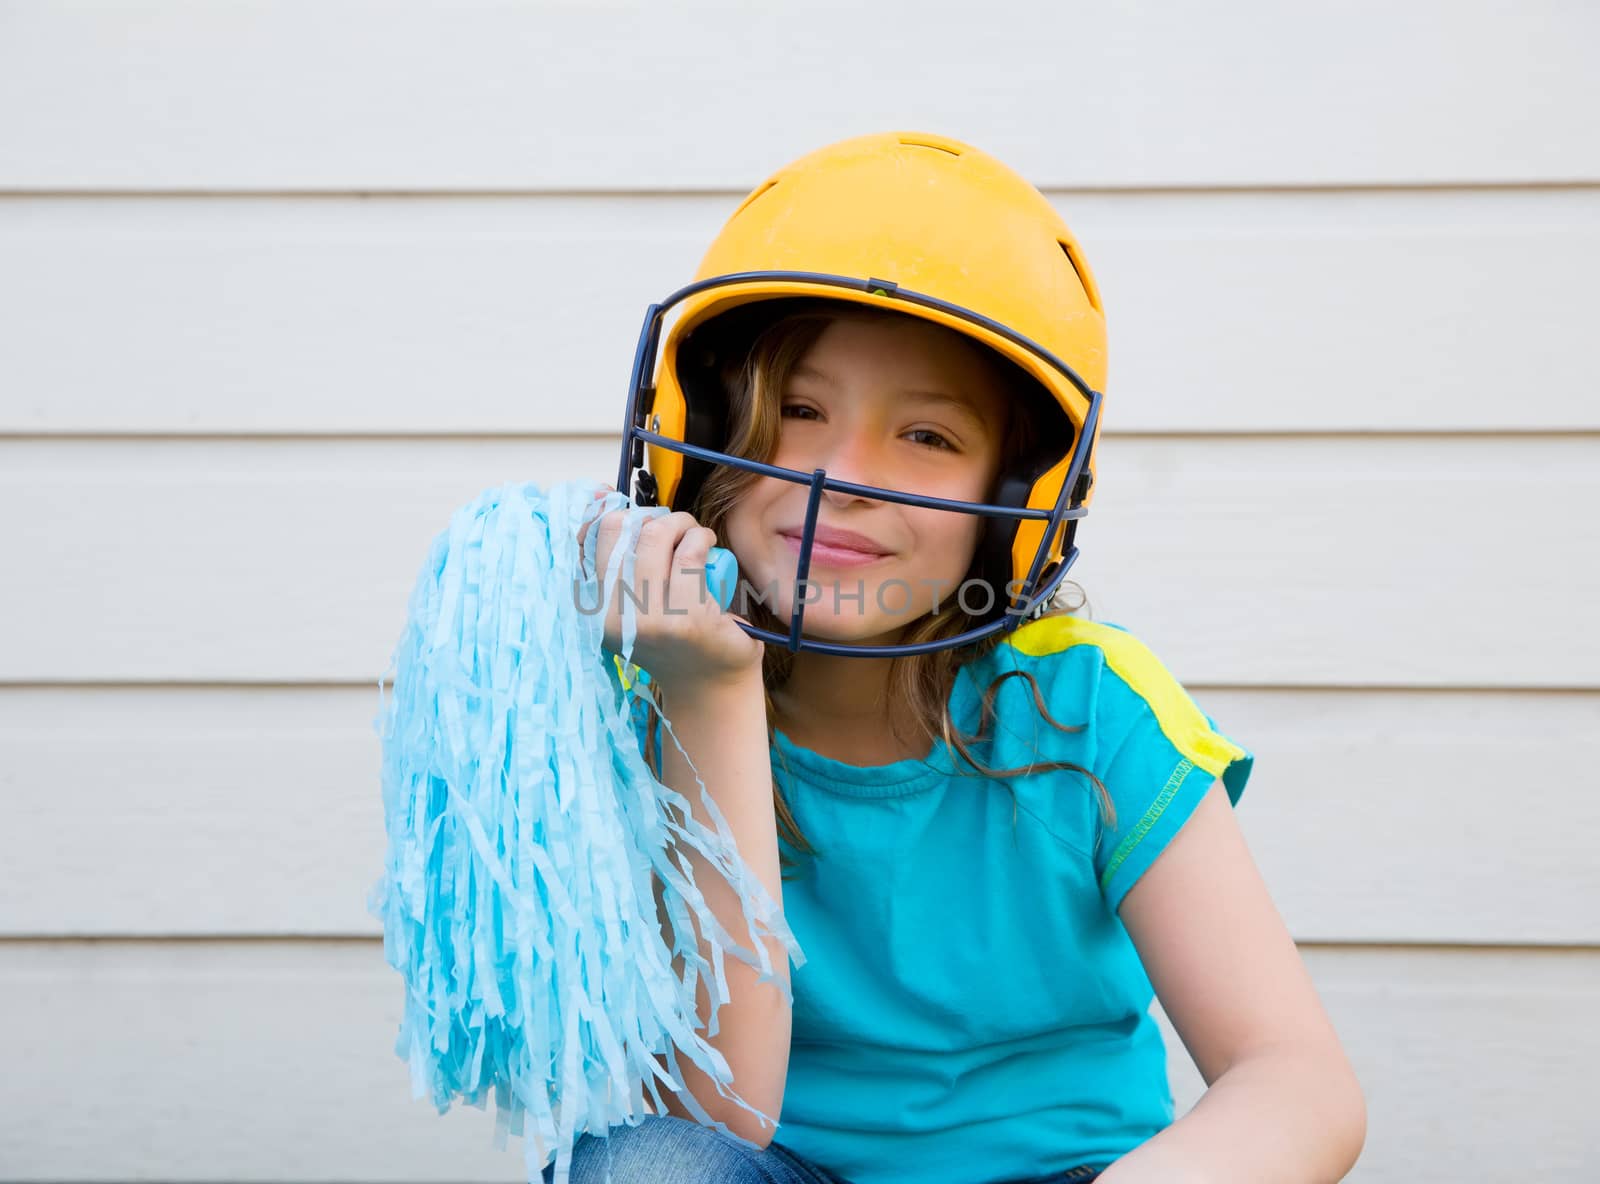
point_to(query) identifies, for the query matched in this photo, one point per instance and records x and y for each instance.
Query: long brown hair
(755, 383)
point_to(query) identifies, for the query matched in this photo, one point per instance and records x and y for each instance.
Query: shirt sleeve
(1157, 755)
(625, 674)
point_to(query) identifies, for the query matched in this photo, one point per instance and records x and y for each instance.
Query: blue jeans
(666, 1149)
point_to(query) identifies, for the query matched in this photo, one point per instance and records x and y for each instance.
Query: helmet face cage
(1026, 602)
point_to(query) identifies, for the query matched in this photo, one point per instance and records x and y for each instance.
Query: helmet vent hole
(934, 144)
(745, 204)
(1088, 288)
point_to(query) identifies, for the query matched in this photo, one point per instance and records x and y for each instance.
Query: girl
(996, 828)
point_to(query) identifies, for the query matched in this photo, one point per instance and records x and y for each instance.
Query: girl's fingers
(670, 557)
(658, 542)
(694, 548)
(689, 567)
(696, 536)
(660, 556)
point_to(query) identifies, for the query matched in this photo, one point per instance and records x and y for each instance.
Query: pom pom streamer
(525, 833)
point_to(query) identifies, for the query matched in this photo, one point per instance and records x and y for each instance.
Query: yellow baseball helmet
(926, 226)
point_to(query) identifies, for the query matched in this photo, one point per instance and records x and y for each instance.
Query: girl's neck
(838, 707)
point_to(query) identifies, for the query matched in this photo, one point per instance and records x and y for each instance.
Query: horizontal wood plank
(1229, 312)
(1350, 561)
(1461, 1055)
(273, 1061)
(499, 95)
(1375, 816)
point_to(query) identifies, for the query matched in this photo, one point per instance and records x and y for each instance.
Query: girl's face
(901, 404)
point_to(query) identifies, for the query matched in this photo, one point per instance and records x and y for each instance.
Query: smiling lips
(839, 548)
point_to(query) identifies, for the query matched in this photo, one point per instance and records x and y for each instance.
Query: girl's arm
(723, 727)
(1283, 1104)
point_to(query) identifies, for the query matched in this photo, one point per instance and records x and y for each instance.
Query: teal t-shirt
(971, 1007)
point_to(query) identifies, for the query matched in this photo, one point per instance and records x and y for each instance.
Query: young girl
(1000, 827)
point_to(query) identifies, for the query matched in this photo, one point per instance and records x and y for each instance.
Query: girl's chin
(844, 608)
(826, 626)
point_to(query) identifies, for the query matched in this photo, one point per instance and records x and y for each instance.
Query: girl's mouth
(834, 556)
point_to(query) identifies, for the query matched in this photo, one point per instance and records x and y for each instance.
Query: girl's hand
(682, 635)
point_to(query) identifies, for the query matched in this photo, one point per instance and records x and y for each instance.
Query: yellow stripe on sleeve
(1180, 719)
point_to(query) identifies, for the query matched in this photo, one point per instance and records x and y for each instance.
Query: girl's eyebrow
(954, 401)
(943, 397)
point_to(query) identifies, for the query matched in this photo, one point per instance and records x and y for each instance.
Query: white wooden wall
(283, 283)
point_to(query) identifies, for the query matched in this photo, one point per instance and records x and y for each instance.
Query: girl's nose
(853, 459)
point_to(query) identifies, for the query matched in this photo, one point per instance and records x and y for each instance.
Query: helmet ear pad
(1042, 435)
(705, 415)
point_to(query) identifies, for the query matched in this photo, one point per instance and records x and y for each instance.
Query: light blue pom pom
(524, 832)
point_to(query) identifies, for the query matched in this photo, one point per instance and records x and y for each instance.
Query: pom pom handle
(722, 575)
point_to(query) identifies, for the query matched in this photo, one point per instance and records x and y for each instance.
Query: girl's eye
(939, 441)
(935, 440)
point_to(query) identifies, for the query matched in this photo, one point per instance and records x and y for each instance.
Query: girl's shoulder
(1067, 649)
(1057, 667)
(1147, 740)
(1059, 633)
(1106, 678)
